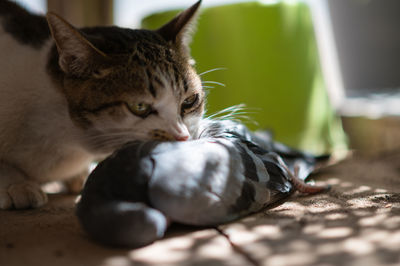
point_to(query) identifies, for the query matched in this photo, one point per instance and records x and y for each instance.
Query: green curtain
(272, 66)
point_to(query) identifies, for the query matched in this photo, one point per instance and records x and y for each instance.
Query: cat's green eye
(190, 101)
(140, 109)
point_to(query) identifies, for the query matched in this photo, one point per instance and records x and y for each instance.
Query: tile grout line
(238, 249)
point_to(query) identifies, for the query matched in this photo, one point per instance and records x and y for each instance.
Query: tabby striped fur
(69, 96)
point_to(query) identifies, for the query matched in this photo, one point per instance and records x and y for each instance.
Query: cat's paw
(5, 200)
(22, 196)
(74, 185)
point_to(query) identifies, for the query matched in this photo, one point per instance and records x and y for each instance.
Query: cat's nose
(182, 137)
(180, 132)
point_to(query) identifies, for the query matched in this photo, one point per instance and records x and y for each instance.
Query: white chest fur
(36, 133)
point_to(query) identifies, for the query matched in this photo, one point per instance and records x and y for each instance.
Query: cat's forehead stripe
(152, 90)
(158, 81)
(147, 52)
(185, 86)
(150, 83)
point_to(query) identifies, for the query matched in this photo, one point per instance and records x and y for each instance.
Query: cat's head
(123, 85)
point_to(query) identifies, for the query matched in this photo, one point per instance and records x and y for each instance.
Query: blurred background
(321, 74)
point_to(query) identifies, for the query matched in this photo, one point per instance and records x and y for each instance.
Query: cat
(70, 96)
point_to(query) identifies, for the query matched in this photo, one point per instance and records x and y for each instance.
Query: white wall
(128, 13)
(36, 6)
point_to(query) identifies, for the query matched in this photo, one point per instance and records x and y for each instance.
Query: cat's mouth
(161, 135)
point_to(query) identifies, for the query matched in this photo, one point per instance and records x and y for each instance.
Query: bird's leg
(299, 184)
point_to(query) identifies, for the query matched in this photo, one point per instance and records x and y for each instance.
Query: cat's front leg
(74, 185)
(16, 191)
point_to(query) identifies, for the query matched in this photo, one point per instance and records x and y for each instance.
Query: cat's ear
(179, 29)
(77, 55)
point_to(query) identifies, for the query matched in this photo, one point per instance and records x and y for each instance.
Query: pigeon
(226, 173)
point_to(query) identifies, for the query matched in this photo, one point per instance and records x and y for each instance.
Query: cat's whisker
(113, 140)
(243, 118)
(239, 113)
(105, 136)
(212, 70)
(110, 145)
(213, 82)
(201, 133)
(208, 87)
(230, 109)
(107, 142)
